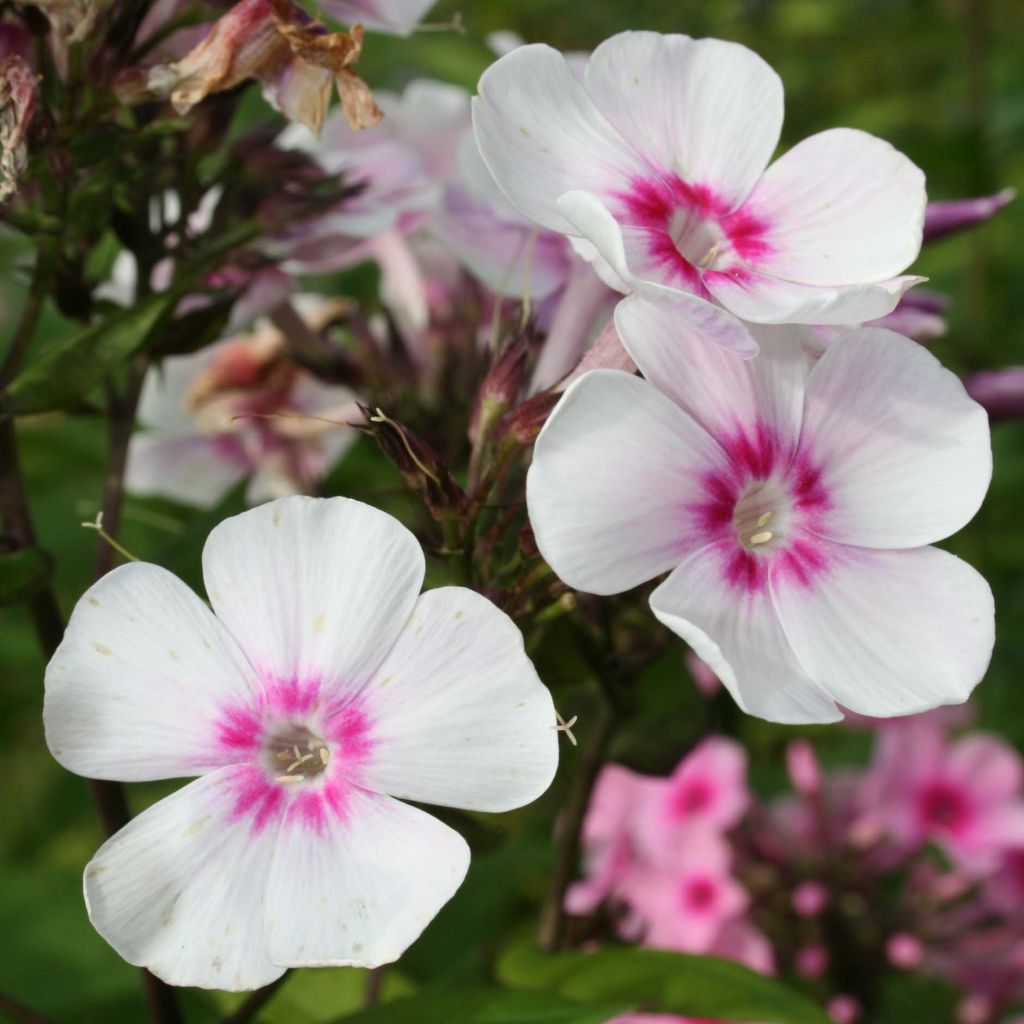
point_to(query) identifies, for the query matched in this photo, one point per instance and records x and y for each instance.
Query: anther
(762, 538)
(764, 519)
(290, 778)
(324, 756)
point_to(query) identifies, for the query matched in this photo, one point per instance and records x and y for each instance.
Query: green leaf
(660, 981)
(70, 369)
(487, 1006)
(22, 573)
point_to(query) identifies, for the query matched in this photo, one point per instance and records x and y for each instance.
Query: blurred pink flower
(965, 795)
(682, 898)
(707, 791)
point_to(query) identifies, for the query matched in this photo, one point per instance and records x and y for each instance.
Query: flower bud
(812, 961)
(1001, 392)
(946, 218)
(809, 899)
(904, 951)
(804, 770)
(844, 1009)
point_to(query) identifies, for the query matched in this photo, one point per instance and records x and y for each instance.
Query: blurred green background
(942, 79)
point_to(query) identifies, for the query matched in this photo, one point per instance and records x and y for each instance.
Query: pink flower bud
(1001, 392)
(904, 951)
(974, 1009)
(809, 899)
(844, 1009)
(804, 770)
(946, 218)
(703, 675)
(812, 961)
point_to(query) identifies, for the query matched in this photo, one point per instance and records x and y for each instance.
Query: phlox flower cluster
(911, 864)
(686, 369)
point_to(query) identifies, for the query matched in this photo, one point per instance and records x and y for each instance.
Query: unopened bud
(1001, 392)
(812, 961)
(804, 770)
(809, 899)
(904, 951)
(947, 217)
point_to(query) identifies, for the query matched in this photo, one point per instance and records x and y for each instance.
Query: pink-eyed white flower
(237, 409)
(794, 502)
(321, 692)
(657, 162)
(965, 795)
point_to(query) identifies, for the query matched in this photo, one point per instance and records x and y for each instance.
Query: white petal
(842, 207)
(737, 632)
(399, 17)
(541, 135)
(460, 717)
(764, 299)
(707, 110)
(357, 889)
(726, 395)
(592, 219)
(191, 469)
(314, 588)
(904, 451)
(613, 471)
(136, 688)
(180, 889)
(891, 632)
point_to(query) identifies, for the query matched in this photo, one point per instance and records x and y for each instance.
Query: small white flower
(321, 691)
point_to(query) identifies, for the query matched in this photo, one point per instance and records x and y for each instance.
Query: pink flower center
(699, 894)
(689, 230)
(944, 807)
(691, 798)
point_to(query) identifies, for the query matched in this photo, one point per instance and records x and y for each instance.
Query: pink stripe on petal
(294, 695)
(255, 797)
(240, 730)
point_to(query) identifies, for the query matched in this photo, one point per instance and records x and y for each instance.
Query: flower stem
(594, 747)
(20, 1013)
(252, 1006)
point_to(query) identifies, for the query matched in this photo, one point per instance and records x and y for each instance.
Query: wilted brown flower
(17, 103)
(294, 58)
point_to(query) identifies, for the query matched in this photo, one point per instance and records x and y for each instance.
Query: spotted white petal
(357, 888)
(135, 689)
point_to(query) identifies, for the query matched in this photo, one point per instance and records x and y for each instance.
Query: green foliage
(487, 1006)
(656, 980)
(23, 573)
(66, 372)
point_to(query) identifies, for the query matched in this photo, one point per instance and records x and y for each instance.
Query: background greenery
(942, 79)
